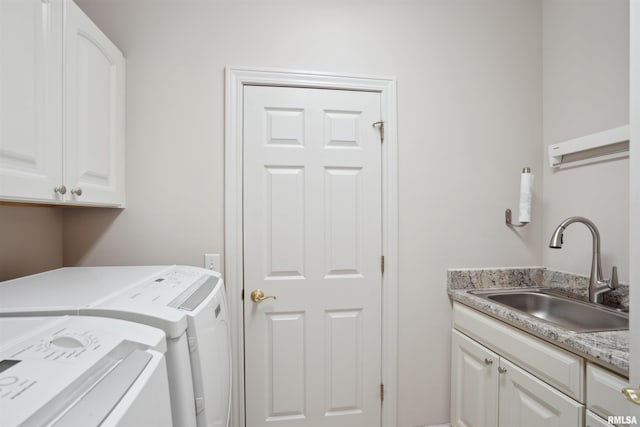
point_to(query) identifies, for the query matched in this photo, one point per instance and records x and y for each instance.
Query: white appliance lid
(85, 365)
(70, 288)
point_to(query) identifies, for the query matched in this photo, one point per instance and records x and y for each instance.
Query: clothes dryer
(187, 303)
(76, 371)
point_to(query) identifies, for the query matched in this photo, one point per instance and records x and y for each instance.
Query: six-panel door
(312, 238)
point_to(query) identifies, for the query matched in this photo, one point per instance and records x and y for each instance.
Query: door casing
(634, 167)
(236, 79)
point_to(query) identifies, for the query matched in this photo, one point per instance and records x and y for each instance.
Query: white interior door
(313, 239)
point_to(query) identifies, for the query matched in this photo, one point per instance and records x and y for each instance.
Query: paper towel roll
(526, 188)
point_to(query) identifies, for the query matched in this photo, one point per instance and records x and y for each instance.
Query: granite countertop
(609, 349)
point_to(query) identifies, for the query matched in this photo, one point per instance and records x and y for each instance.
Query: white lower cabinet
(488, 390)
(592, 420)
(604, 400)
(504, 377)
(526, 401)
(474, 383)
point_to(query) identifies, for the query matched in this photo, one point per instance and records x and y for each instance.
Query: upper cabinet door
(30, 100)
(94, 113)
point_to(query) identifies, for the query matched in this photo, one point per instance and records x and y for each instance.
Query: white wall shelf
(596, 144)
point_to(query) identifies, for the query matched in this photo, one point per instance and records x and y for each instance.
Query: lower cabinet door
(525, 401)
(474, 385)
(604, 397)
(595, 421)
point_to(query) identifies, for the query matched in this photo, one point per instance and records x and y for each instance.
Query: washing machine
(187, 303)
(76, 371)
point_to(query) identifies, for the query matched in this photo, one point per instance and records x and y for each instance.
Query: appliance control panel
(165, 287)
(61, 344)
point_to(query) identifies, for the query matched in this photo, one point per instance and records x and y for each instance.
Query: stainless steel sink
(568, 313)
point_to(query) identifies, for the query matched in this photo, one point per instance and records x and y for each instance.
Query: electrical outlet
(212, 262)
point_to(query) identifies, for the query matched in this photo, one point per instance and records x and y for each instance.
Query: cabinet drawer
(559, 368)
(604, 392)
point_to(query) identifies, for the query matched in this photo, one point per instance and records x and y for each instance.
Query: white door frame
(236, 79)
(634, 169)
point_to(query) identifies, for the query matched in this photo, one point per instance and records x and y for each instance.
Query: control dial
(70, 341)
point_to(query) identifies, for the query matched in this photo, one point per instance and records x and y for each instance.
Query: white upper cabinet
(30, 100)
(94, 112)
(61, 107)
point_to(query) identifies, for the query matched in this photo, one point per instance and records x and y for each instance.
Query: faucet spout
(597, 285)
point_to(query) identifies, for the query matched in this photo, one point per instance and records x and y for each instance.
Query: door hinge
(381, 392)
(242, 295)
(199, 404)
(380, 124)
(382, 264)
(193, 344)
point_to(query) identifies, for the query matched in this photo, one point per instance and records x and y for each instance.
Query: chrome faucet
(597, 285)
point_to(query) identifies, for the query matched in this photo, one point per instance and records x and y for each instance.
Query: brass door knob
(258, 296)
(632, 395)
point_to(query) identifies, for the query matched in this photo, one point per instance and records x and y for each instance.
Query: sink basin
(568, 313)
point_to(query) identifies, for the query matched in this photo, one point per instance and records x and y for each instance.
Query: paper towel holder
(507, 213)
(507, 220)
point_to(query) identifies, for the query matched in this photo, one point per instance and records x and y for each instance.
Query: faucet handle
(613, 282)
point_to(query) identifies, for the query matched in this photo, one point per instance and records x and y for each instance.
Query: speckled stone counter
(609, 349)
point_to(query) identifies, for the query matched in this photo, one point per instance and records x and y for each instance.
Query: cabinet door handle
(60, 189)
(488, 361)
(632, 395)
(502, 370)
(76, 191)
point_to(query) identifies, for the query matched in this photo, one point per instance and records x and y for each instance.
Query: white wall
(470, 117)
(30, 240)
(586, 89)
